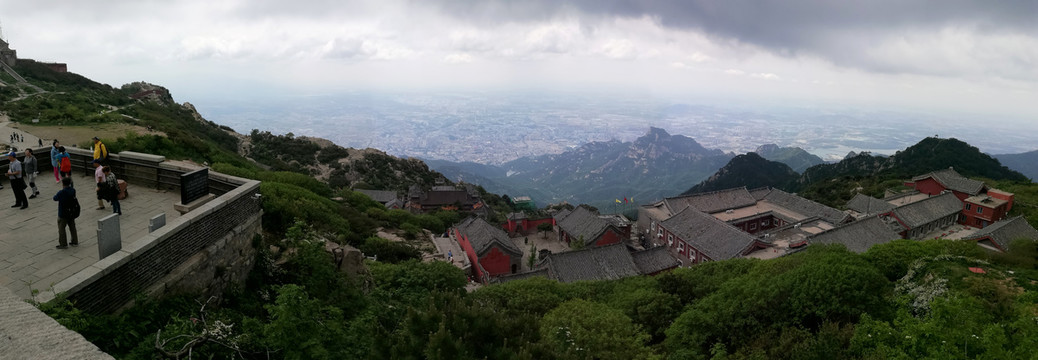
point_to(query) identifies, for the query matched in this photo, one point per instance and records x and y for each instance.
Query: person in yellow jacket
(100, 151)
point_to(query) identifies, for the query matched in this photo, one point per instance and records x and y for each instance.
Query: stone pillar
(109, 237)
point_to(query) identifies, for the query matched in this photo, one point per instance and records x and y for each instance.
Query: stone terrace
(28, 259)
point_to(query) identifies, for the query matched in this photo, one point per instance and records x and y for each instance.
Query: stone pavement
(28, 259)
(31, 141)
(28, 333)
(550, 242)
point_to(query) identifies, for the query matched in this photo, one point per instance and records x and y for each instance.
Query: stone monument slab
(109, 237)
(156, 222)
(194, 185)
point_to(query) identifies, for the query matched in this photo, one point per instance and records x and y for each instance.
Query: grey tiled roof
(868, 205)
(582, 222)
(805, 206)
(484, 236)
(448, 197)
(714, 238)
(952, 180)
(562, 214)
(928, 210)
(857, 236)
(381, 196)
(598, 263)
(760, 193)
(714, 201)
(1005, 231)
(654, 260)
(395, 202)
(516, 215)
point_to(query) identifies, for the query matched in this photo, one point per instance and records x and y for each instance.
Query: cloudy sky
(974, 57)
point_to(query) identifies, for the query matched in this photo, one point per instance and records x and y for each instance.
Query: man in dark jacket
(64, 199)
(14, 172)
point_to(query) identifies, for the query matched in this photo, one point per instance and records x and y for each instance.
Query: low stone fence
(201, 252)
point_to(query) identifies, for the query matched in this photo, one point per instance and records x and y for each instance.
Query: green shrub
(284, 203)
(389, 251)
(300, 180)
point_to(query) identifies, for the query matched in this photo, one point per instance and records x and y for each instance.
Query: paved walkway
(550, 242)
(5, 137)
(28, 259)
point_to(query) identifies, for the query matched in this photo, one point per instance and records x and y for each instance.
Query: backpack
(66, 164)
(72, 210)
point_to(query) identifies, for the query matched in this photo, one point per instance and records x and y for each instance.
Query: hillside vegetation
(904, 299)
(749, 170)
(835, 184)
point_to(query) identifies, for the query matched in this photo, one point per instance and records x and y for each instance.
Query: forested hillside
(835, 184)
(749, 170)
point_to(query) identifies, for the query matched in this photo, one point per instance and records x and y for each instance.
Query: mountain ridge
(653, 165)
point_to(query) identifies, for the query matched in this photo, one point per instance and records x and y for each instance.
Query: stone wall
(203, 252)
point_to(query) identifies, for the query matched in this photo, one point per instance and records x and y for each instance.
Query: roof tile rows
(599, 263)
(952, 180)
(714, 238)
(805, 206)
(484, 236)
(868, 205)
(928, 210)
(857, 236)
(654, 260)
(1005, 231)
(714, 201)
(581, 222)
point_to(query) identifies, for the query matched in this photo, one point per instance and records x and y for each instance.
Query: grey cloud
(842, 32)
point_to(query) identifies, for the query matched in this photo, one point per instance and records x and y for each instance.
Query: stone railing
(200, 252)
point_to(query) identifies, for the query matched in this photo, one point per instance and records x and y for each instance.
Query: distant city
(493, 128)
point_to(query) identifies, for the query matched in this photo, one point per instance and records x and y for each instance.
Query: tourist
(14, 172)
(100, 151)
(99, 178)
(55, 161)
(66, 163)
(29, 164)
(110, 189)
(40, 140)
(65, 199)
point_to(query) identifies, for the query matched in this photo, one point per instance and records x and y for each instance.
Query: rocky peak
(765, 149)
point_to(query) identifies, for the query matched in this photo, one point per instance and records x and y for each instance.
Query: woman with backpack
(54, 161)
(65, 163)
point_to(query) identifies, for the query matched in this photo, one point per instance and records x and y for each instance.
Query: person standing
(110, 190)
(65, 197)
(29, 164)
(66, 163)
(55, 162)
(99, 178)
(100, 151)
(14, 173)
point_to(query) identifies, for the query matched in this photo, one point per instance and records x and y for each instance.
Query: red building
(488, 248)
(983, 210)
(520, 223)
(981, 206)
(936, 182)
(581, 223)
